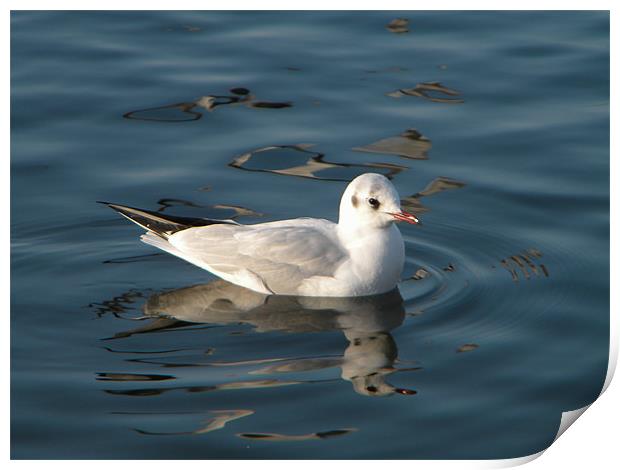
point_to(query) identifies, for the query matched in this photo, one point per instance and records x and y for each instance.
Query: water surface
(494, 127)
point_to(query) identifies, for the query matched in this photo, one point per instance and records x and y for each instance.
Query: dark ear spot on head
(354, 200)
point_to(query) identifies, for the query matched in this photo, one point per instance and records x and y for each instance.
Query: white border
(301, 5)
(593, 442)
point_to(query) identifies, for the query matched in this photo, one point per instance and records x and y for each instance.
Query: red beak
(406, 217)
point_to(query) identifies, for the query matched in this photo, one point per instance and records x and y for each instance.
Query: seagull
(363, 254)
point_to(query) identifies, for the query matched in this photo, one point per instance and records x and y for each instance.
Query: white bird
(363, 254)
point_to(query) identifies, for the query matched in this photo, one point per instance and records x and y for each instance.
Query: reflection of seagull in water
(363, 254)
(365, 322)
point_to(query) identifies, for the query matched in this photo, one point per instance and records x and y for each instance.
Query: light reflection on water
(500, 322)
(365, 322)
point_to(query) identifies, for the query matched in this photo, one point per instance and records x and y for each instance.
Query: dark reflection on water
(398, 25)
(431, 91)
(523, 265)
(467, 347)
(410, 144)
(235, 385)
(209, 102)
(413, 204)
(303, 437)
(120, 303)
(155, 113)
(165, 203)
(119, 377)
(308, 164)
(220, 419)
(502, 317)
(237, 211)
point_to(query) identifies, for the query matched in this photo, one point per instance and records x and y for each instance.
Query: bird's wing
(281, 255)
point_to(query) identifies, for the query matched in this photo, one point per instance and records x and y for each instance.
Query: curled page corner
(515, 462)
(613, 356)
(568, 418)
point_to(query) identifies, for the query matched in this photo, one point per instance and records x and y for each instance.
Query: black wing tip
(109, 204)
(116, 207)
(158, 223)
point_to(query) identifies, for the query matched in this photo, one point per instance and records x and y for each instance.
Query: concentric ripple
(471, 279)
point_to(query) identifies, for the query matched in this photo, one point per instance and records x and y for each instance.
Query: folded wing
(281, 255)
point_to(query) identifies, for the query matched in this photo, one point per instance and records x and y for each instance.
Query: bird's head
(371, 200)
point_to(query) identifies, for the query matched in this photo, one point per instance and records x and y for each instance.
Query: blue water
(502, 319)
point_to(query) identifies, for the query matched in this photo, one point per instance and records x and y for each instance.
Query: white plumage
(363, 254)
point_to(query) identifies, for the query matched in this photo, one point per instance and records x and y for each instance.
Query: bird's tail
(159, 224)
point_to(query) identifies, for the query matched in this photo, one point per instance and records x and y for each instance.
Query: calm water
(502, 319)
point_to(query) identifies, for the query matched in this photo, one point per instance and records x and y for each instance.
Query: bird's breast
(376, 261)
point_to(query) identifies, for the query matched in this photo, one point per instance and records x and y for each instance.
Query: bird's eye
(374, 203)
